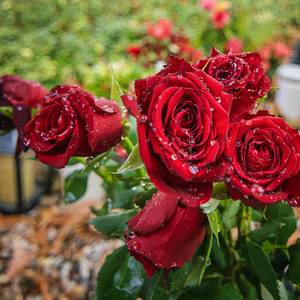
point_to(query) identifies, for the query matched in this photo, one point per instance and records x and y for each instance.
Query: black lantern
(23, 180)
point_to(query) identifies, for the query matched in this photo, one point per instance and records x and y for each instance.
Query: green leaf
(282, 292)
(121, 277)
(247, 288)
(7, 111)
(116, 91)
(220, 191)
(260, 266)
(267, 231)
(76, 160)
(283, 213)
(229, 214)
(113, 224)
(133, 161)
(75, 186)
(220, 255)
(121, 194)
(294, 264)
(130, 277)
(208, 290)
(195, 272)
(210, 206)
(279, 211)
(153, 290)
(179, 276)
(214, 222)
(228, 291)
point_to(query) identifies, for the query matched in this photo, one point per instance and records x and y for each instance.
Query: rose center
(259, 156)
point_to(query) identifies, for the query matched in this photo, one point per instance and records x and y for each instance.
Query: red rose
(182, 124)
(165, 235)
(242, 75)
(73, 122)
(220, 18)
(134, 50)
(22, 95)
(160, 30)
(265, 160)
(16, 90)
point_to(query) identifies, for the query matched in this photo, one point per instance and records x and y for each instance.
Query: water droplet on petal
(174, 156)
(193, 169)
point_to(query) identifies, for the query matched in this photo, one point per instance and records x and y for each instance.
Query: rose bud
(242, 75)
(265, 161)
(165, 235)
(182, 125)
(72, 122)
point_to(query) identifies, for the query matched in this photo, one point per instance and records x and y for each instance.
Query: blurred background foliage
(78, 41)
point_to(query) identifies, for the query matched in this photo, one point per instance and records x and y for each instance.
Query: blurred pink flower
(207, 4)
(265, 52)
(281, 50)
(220, 19)
(134, 50)
(160, 30)
(234, 45)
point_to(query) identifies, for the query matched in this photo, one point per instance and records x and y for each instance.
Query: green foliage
(113, 224)
(75, 186)
(260, 265)
(121, 277)
(6, 111)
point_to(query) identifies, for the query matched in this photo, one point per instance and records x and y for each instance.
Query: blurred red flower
(161, 30)
(134, 50)
(234, 45)
(281, 50)
(207, 4)
(220, 19)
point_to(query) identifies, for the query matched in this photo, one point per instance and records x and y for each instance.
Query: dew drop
(174, 156)
(193, 169)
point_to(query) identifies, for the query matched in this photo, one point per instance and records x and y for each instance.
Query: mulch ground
(52, 252)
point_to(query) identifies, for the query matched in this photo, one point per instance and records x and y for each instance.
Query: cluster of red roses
(161, 41)
(196, 126)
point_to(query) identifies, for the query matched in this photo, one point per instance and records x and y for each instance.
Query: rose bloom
(18, 91)
(182, 124)
(161, 30)
(207, 4)
(234, 45)
(72, 122)
(22, 95)
(165, 235)
(265, 160)
(220, 18)
(242, 75)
